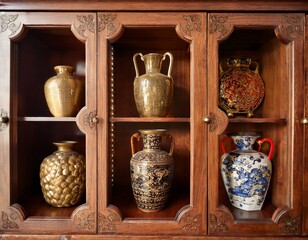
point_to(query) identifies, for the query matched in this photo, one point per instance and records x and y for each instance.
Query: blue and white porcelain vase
(246, 172)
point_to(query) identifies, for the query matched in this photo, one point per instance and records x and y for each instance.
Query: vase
(241, 87)
(62, 176)
(151, 170)
(246, 172)
(64, 92)
(153, 91)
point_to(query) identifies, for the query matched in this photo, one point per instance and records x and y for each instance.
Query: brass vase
(153, 91)
(62, 176)
(64, 92)
(151, 170)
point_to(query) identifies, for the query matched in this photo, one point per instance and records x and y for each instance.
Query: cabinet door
(275, 41)
(31, 44)
(121, 35)
(305, 122)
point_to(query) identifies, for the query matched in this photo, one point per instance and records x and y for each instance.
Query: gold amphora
(64, 92)
(63, 176)
(153, 91)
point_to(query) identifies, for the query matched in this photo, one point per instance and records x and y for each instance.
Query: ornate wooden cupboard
(99, 40)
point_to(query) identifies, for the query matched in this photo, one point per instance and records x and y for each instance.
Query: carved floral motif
(8, 220)
(8, 22)
(85, 222)
(215, 122)
(108, 223)
(193, 223)
(218, 224)
(89, 119)
(106, 21)
(217, 24)
(291, 225)
(86, 23)
(193, 23)
(295, 25)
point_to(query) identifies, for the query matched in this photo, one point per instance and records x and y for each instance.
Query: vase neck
(152, 62)
(65, 146)
(151, 139)
(244, 143)
(63, 69)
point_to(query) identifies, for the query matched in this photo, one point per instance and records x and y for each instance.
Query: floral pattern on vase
(246, 172)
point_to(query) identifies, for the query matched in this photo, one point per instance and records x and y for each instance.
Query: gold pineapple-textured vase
(153, 91)
(64, 92)
(151, 170)
(62, 176)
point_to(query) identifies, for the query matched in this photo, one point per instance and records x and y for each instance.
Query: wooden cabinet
(100, 45)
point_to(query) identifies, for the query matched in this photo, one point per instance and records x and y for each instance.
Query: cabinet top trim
(158, 5)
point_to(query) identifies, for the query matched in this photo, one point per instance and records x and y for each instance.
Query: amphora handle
(270, 141)
(170, 62)
(223, 148)
(135, 62)
(132, 145)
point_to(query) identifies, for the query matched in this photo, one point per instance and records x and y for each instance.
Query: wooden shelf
(123, 199)
(35, 206)
(137, 119)
(47, 119)
(258, 120)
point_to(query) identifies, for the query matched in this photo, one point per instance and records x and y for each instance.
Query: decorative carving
(218, 224)
(86, 23)
(85, 222)
(217, 23)
(193, 22)
(7, 22)
(193, 223)
(295, 25)
(9, 220)
(291, 225)
(106, 21)
(108, 224)
(90, 119)
(215, 121)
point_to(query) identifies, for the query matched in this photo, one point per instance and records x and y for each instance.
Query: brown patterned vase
(63, 176)
(151, 170)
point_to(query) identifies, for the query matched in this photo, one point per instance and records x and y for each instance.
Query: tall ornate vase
(62, 176)
(153, 91)
(246, 172)
(151, 170)
(64, 92)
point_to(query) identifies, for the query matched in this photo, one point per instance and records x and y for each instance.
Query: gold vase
(64, 92)
(153, 91)
(62, 176)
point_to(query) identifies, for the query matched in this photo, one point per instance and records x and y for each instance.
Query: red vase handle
(132, 144)
(270, 141)
(223, 148)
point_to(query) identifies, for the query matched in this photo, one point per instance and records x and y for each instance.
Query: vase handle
(135, 62)
(270, 141)
(170, 63)
(137, 136)
(223, 148)
(171, 144)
